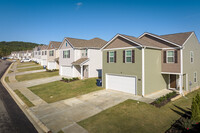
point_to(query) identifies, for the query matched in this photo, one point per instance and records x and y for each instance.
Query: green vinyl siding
(132, 69)
(192, 45)
(154, 80)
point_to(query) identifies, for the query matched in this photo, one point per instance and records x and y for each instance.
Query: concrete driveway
(64, 114)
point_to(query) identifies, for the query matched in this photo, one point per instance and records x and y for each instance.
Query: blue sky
(42, 21)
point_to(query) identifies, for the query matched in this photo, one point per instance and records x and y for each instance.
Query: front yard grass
(30, 69)
(24, 99)
(27, 65)
(58, 90)
(38, 75)
(131, 116)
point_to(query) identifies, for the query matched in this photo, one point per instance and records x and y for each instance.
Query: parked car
(25, 60)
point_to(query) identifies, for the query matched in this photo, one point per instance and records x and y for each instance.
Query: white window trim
(112, 56)
(191, 57)
(64, 54)
(170, 56)
(195, 73)
(126, 56)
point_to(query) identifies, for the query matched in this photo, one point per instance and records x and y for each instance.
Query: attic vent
(66, 44)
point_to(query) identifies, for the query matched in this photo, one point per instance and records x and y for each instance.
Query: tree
(196, 108)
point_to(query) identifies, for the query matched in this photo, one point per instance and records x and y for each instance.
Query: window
(86, 52)
(45, 52)
(51, 53)
(191, 56)
(66, 54)
(111, 56)
(170, 56)
(128, 56)
(195, 77)
(42, 52)
(35, 53)
(39, 52)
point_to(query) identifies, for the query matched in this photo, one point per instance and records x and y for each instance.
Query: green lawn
(58, 90)
(27, 65)
(38, 75)
(7, 79)
(30, 69)
(19, 64)
(131, 116)
(24, 99)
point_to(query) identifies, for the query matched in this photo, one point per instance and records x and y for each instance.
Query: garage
(51, 65)
(121, 83)
(66, 71)
(44, 62)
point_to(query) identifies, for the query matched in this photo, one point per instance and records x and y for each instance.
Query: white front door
(121, 83)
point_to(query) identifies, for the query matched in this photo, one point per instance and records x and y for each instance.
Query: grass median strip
(7, 79)
(58, 90)
(131, 116)
(24, 99)
(30, 69)
(38, 75)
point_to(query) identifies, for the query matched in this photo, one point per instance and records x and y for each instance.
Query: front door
(85, 71)
(172, 81)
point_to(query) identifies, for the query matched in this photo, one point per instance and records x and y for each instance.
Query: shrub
(195, 108)
(186, 123)
(165, 97)
(63, 78)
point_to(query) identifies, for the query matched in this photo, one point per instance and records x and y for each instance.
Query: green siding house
(151, 63)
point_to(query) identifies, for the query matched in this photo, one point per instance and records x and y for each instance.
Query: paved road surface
(12, 119)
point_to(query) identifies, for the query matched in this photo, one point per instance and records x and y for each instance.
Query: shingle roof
(55, 45)
(82, 43)
(44, 47)
(79, 61)
(178, 38)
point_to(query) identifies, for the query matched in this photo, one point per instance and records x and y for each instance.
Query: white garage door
(121, 83)
(51, 65)
(44, 62)
(66, 71)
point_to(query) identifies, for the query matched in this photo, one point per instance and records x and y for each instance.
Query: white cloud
(78, 5)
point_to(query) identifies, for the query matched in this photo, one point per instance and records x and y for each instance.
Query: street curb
(40, 127)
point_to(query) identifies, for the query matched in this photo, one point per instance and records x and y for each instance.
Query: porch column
(181, 84)
(81, 72)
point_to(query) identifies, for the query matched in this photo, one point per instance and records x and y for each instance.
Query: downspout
(181, 75)
(143, 72)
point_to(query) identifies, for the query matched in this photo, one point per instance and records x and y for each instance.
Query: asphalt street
(12, 118)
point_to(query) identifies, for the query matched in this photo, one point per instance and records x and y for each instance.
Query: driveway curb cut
(40, 127)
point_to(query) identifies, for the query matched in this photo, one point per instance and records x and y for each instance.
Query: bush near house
(164, 99)
(53, 70)
(69, 79)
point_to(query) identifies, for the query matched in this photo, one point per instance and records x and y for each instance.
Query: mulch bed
(163, 102)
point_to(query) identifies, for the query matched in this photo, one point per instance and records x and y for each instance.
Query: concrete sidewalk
(64, 114)
(29, 83)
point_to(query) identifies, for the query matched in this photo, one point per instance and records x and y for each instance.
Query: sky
(41, 21)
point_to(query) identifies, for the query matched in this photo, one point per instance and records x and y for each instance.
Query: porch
(81, 68)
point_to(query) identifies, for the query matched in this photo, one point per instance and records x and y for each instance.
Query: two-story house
(37, 54)
(53, 55)
(44, 55)
(81, 58)
(151, 63)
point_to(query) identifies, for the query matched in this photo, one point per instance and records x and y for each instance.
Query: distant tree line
(7, 47)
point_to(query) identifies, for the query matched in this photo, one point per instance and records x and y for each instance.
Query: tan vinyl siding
(154, 80)
(132, 69)
(189, 68)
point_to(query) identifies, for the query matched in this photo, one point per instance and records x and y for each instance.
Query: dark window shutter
(107, 57)
(133, 56)
(69, 54)
(123, 56)
(164, 56)
(115, 56)
(175, 56)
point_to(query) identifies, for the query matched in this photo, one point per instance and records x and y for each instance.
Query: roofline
(187, 39)
(117, 35)
(84, 62)
(159, 38)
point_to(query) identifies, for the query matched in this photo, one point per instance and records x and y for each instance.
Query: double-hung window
(195, 77)
(128, 56)
(66, 54)
(51, 53)
(111, 56)
(191, 56)
(45, 53)
(170, 56)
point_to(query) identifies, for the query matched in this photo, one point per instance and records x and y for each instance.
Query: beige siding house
(151, 63)
(53, 55)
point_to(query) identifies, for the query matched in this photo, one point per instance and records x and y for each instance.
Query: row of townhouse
(22, 54)
(139, 66)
